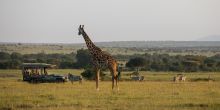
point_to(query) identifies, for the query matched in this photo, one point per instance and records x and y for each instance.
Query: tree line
(145, 62)
(165, 62)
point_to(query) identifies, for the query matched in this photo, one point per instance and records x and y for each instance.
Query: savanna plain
(156, 92)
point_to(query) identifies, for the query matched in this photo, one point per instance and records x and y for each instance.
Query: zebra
(73, 78)
(179, 78)
(183, 78)
(137, 78)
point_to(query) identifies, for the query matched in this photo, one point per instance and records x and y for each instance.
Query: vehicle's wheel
(32, 80)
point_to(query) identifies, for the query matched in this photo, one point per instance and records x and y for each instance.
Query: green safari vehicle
(37, 72)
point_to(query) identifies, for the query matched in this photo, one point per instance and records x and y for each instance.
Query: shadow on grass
(192, 105)
(201, 79)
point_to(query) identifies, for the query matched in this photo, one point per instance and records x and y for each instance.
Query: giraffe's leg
(97, 79)
(116, 76)
(116, 79)
(113, 80)
(112, 69)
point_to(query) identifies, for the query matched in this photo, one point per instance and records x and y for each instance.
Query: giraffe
(100, 59)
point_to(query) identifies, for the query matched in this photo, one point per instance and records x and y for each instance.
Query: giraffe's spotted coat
(100, 58)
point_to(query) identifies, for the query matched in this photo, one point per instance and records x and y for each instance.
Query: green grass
(157, 92)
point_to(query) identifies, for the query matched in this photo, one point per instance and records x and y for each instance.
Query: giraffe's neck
(91, 46)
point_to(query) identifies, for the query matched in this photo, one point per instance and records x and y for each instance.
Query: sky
(57, 21)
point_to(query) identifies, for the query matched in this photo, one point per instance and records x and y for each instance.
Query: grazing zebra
(137, 78)
(179, 78)
(73, 78)
(183, 78)
(175, 78)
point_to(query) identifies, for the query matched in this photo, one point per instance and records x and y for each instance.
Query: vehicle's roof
(37, 65)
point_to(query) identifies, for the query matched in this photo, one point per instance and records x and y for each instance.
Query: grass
(157, 92)
(69, 48)
(61, 49)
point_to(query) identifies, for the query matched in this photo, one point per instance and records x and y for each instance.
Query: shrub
(90, 74)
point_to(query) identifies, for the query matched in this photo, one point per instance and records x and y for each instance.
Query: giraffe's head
(81, 30)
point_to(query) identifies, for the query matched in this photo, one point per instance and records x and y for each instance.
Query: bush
(90, 74)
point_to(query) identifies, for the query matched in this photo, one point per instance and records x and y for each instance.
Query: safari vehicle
(37, 72)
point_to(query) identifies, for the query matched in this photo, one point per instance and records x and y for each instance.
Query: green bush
(90, 74)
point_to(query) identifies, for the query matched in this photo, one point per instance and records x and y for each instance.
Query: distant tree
(218, 66)
(83, 59)
(136, 63)
(42, 56)
(176, 66)
(157, 66)
(15, 64)
(69, 57)
(191, 66)
(16, 56)
(4, 65)
(41, 60)
(4, 56)
(66, 64)
(210, 62)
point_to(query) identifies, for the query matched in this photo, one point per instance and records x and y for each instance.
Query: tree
(16, 56)
(83, 58)
(4, 56)
(136, 63)
(4, 65)
(176, 66)
(191, 66)
(15, 64)
(66, 64)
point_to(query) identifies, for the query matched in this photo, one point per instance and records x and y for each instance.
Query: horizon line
(107, 42)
